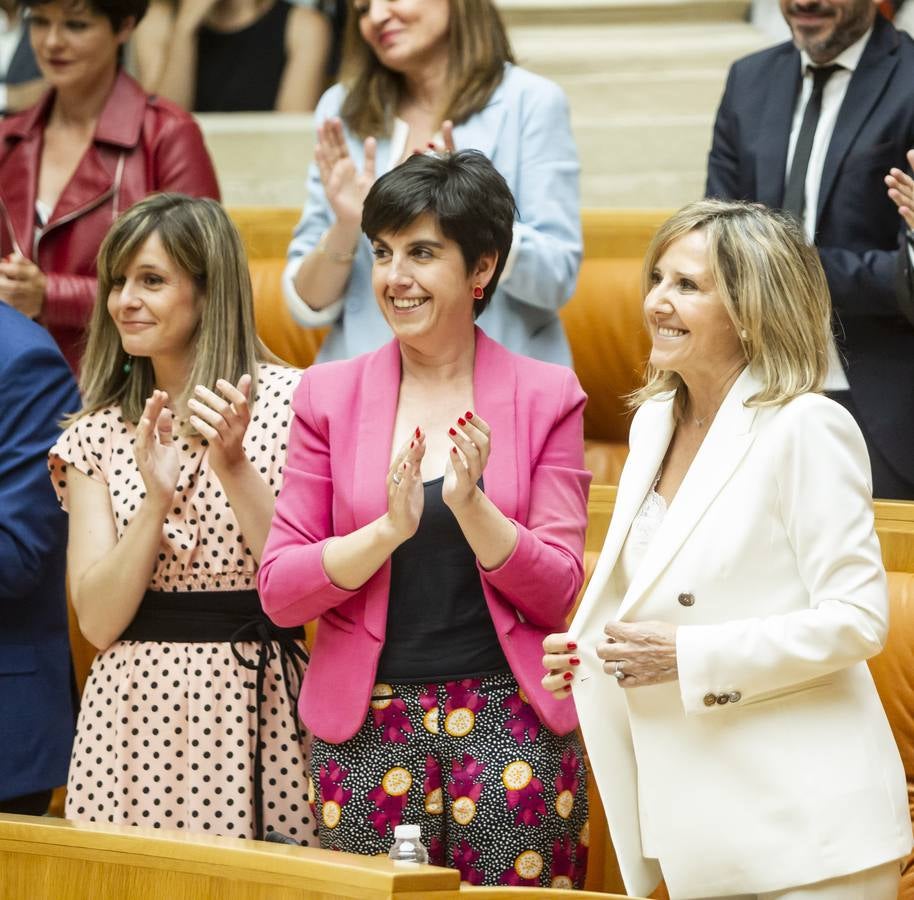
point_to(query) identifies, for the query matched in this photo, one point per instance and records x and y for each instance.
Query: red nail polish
(574, 661)
(461, 421)
(431, 146)
(412, 444)
(454, 450)
(468, 414)
(567, 687)
(451, 431)
(571, 645)
(568, 676)
(417, 432)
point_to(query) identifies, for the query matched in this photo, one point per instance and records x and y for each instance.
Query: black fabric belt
(202, 616)
(233, 617)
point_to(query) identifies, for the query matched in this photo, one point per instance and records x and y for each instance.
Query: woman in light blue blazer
(426, 74)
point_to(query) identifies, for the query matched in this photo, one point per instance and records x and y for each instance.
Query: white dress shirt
(832, 99)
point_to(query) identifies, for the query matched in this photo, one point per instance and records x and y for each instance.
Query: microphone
(277, 837)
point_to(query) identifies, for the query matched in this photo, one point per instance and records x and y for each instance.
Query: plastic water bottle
(407, 845)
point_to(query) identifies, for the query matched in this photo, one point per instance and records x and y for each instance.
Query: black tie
(795, 192)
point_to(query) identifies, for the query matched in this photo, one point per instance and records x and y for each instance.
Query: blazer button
(723, 698)
(687, 599)
(735, 696)
(710, 699)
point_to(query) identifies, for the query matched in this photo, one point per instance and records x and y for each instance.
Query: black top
(438, 624)
(240, 71)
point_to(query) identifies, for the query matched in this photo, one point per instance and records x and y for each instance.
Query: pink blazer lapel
(376, 411)
(494, 392)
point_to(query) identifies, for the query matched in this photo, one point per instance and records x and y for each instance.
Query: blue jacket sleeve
(38, 390)
(547, 247)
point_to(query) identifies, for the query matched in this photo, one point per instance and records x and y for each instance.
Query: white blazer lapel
(655, 428)
(726, 443)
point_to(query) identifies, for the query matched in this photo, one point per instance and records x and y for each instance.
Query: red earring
(477, 292)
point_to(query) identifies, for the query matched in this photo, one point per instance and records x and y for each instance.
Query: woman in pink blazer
(432, 516)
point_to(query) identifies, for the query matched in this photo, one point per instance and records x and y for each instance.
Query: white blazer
(770, 763)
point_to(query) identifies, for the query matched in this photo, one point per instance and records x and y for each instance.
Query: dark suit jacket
(858, 230)
(36, 709)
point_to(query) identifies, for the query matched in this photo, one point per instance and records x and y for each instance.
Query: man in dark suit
(813, 126)
(36, 706)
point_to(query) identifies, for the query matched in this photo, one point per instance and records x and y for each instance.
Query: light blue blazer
(525, 131)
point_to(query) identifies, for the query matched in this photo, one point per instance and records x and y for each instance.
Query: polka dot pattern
(202, 546)
(167, 731)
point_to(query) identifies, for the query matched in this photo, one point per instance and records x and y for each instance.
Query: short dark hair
(465, 193)
(115, 11)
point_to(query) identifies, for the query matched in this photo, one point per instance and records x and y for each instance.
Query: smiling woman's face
(691, 331)
(154, 304)
(422, 285)
(405, 34)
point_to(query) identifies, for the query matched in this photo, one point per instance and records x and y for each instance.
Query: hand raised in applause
(154, 450)
(560, 659)
(223, 421)
(901, 191)
(641, 652)
(345, 186)
(405, 494)
(22, 284)
(467, 460)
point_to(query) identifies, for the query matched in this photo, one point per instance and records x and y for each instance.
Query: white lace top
(644, 526)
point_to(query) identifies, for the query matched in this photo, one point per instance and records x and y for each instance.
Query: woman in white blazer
(423, 73)
(718, 656)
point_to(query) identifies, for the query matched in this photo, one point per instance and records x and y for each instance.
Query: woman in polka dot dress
(433, 515)
(170, 475)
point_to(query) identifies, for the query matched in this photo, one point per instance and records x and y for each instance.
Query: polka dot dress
(167, 731)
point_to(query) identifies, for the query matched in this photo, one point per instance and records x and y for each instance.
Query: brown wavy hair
(200, 239)
(479, 49)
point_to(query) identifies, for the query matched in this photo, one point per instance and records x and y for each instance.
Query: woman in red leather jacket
(94, 145)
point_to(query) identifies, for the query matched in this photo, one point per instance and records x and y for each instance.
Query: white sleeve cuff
(512, 253)
(301, 312)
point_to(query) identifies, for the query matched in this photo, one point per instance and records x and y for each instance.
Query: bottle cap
(407, 832)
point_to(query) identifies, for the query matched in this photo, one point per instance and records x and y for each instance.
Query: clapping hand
(467, 460)
(901, 191)
(346, 188)
(22, 284)
(223, 421)
(405, 493)
(154, 450)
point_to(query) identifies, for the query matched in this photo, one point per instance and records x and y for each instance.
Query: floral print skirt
(497, 795)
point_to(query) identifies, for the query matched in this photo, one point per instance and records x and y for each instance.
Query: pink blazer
(335, 482)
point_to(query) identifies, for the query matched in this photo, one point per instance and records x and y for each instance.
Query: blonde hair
(773, 287)
(478, 50)
(200, 239)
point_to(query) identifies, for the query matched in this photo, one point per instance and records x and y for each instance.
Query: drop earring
(128, 365)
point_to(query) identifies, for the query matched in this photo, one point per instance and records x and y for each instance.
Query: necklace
(701, 422)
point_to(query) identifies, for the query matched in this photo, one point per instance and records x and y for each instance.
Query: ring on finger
(395, 478)
(618, 674)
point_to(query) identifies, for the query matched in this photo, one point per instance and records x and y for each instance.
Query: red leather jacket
(142, 144)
